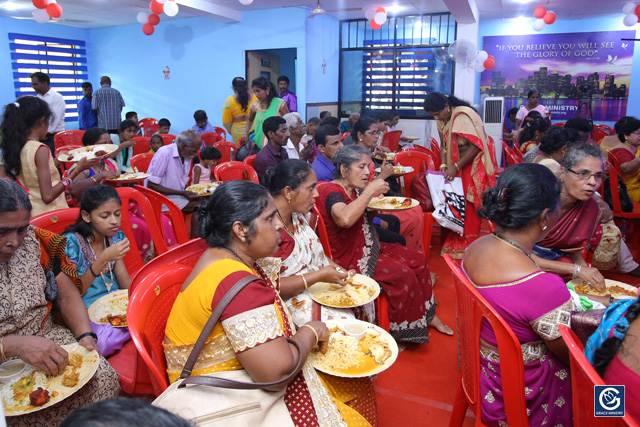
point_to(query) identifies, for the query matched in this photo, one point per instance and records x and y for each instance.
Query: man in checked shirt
(107, 103)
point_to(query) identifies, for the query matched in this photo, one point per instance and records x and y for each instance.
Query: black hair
(324, 131)
(283, 79)
(530, 126)
(200, 116)
(130, 114)
(580, 124)
(314, 121)
(42, 77)
(210, 153)
(556, 139)
(384, 116)
(123, 412)
(232, 201)
(627, 128)
(272, 124)
(394, 113)
(265, 84)
(241, 88)
(92, 135)
(18, 118)
(323, 114)
(85, 85)
(346, 157)
(620, 122)
(13, 197)
(289, 173)
(333, 121)
(92, 198)
(531, 93)
(361, 126)
(164, 122)
(154, 136)
(605, 354)
(126, 124)
(512, 111)
(521, 194)
(533, 113)
(436, 101)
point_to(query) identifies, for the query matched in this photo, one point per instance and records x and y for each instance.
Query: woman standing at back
(267, 105)
(236, 108)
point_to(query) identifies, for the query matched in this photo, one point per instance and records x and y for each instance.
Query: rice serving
(117, 307)
(9, 391)
(343, 352)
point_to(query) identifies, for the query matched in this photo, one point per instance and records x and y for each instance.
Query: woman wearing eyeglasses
(629, 136)
(580, 216)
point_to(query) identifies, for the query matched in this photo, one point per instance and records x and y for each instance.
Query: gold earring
(244, 239)
(288, 200)
(544, 228)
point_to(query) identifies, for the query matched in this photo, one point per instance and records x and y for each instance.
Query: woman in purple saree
(524, 207)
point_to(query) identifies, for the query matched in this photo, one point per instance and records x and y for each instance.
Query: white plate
(86, 152)
(102, 307)
(386, 203)
(322, 289)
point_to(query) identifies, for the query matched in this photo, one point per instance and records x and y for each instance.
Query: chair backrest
(210, 138)
(174, 213)
(559, 125)
(435, 147)
(149, 308)
(510, 157)
(167, 138)
(232, 171)
(345, 136)
(419, 161)
(471, 309)
(606, 128)
(516, 149)
(141, 162)
(598, 134)
(321, 231)
(221, 131)
(583, 379)
(228, 150)
(56, 221)
(613, 183)
(392, 140)
(68, 137)
(143, 145)
(250, 159)
(149, 126)
(614, 161)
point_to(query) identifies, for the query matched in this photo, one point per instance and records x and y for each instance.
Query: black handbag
(625, 201)
(246, 150)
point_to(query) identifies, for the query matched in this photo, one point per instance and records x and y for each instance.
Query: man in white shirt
(41, 84)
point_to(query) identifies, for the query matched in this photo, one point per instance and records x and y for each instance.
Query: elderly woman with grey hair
(35, 273)
(402, 272)
(297, 129)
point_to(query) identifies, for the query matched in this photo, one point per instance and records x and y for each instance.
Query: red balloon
(147, 29)
(489, 63)
(40, 4)
(155, 7)
(154, 19)
(549, 18)
(374, 25)
(491, 57)
(539, 12)
(54, 10)
(381, 9)
(637, 11)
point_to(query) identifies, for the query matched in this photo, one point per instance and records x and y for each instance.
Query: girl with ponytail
(236, 108)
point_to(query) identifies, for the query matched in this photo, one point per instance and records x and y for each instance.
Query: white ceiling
(104, 13)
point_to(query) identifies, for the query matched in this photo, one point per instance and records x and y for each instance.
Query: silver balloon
(171, 8)
(482, 56)
(370, 13)
(41, 16)
(463, 51)
(630, 20)
(539, 24)
(380, 18)
(142, 17)
(628, 8)
(479, 67)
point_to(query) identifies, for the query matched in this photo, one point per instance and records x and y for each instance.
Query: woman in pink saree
(524, 207)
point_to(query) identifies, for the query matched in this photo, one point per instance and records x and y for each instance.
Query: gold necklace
(285, 224)
(236, 255)
(514, 245)
(107, 285)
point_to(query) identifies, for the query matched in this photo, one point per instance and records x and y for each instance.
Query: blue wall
(287, 64)
(499, 28)
(323, 43)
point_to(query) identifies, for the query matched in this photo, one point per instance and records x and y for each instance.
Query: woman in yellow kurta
(236, 108)
(241, 226)
(627, 154)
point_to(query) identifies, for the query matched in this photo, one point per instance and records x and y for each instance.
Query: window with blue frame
(395, 66)
(64, 60)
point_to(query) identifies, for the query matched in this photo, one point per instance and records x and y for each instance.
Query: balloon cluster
(631, 14)
(149, 21)
(46, 9)
(484, 61)
(377, 16)
(544, 17)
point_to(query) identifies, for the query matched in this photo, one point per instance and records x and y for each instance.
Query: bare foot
(440, 327)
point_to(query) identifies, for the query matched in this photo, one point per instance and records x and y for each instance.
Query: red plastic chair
(605, 128)
(232, 171)
(174, 213)
(427, 233)
(634, 215)
(583, 379)
(559, 124)
(56, 221)
(510, 157)
(167, 138)
(221, 131)
(228, 150)
(149, 126)
(345, 136)
(598, 134)
(392, 140)
(210, 138)
(321, 231)
(471, 309)
(250, 159)
(68, 137)
(143, 145)
(419, 161)
(141, 162)
(435, 147)
(615, 162)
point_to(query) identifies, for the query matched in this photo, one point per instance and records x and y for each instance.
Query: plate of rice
(614, 288)
(89, 152)
(34, 390)
(392, 203)
(205, 190)
(345, 356)
(359, 290)
(399, 170)
(111, 309)
(129, 177)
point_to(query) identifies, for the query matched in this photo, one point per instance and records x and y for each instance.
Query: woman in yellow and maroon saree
(466, 153)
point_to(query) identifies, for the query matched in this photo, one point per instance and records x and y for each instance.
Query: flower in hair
(16, 104)
(620, 328)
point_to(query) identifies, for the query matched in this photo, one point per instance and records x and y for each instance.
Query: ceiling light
(395, 8)
(9, 5)
(521, 19)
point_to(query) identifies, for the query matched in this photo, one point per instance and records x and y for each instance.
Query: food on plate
(203, 189)
(115, 320)
(338, 299)
(398, 169)
(70, 157)
(39, 397)
(23, 386)
(611, 290)
(100, 153)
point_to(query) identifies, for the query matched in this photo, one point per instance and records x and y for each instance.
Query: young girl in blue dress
(96, 245)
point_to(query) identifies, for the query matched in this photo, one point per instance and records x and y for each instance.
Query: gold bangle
(304, 280)
(4, 357)
(444, 165)
(314, 333)
(94, 180)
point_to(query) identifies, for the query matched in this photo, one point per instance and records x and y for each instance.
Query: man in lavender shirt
(288, 97)
(169, 170)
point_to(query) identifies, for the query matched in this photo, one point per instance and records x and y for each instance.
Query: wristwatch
(88, 334)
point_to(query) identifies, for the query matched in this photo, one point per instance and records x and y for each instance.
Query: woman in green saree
(267, 105)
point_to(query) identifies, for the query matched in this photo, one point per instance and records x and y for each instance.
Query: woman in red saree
(466, 153)
(402, 272)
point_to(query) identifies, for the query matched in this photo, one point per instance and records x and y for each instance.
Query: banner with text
(576, 74)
